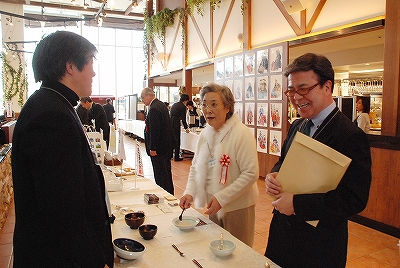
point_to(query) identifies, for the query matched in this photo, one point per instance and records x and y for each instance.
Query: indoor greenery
(156, 24)
(15, 81)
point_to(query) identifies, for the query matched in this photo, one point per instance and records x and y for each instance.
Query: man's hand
(153, 153)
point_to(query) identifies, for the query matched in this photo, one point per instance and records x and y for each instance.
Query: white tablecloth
(194, 243)
(133, 126)
(189, 141)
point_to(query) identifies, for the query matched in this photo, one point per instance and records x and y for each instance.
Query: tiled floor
(367, 247)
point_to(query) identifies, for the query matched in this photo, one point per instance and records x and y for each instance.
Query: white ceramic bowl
(227, 249)
(128, 249)
(186, 223)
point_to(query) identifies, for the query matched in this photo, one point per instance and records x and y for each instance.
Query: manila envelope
(311, 167)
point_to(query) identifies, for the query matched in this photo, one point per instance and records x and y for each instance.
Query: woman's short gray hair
(226, 95)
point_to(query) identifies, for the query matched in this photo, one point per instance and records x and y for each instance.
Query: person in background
(61, 217)
(110, 111)
(159, 139)
(178, 115)
(96, 112)
(167, 104)
(224, 171)
(363, 107)
(192, 115)
(83, 114)
(293, 242)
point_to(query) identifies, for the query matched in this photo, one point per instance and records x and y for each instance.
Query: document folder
(311, 167)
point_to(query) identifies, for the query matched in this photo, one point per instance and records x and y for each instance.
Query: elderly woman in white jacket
(224, 171)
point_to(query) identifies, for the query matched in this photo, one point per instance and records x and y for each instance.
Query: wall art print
(275, 142)
(238, 65)
(262, 140)
(262, 114)
(262, 61)
(275, 59)
(238, 110)
(275, 118)
(249, 62)
(238, 89)
(220, 70)
(275, 87)
(229, 67)
(249, 113)
(262, 88)
(229, 84)
(249, 88)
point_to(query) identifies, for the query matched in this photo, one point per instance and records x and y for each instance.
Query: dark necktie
(307, 128)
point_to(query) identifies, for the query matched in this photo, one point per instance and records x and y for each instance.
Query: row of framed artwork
(260, 88)
(252, 62)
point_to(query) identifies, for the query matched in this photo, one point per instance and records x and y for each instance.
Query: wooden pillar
(391, 74)
(188, 82)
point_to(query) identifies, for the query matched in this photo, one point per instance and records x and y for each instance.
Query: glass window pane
(106, 73)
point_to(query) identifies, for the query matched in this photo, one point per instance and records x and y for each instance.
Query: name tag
(211, 163)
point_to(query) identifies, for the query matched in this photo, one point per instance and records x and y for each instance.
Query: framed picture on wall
(229, 67)
(249, 63)
(275, 142)
(262, 114)
(262, 61)
(249, 113)
(262, 140)
(275, 118)
(262, 87)
(238, 110)
(275, 59)
(237, 89)
(220, 70)
(275, 87)
(229, 84)
(238, 63)
(249, 88)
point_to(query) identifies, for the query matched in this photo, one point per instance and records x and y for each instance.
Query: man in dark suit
(159, 139)
(178, 115)
(97, 113)
(292, 241)
(61, 217)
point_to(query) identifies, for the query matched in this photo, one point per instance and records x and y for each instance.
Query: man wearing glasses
(292, 241)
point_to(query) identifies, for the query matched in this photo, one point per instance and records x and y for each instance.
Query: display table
(135, 127)
(159, 251)
(189, 141)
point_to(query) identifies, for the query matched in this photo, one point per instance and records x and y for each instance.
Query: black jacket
(61, 216)
(293, 242)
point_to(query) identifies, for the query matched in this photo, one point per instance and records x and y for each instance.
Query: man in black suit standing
(159, 139)
(61, 217)
(292, 241)
(178, 115)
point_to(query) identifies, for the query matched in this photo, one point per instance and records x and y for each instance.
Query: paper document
(311, 167)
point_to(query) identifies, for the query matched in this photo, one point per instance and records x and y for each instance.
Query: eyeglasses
(301, 91)
(211, 106)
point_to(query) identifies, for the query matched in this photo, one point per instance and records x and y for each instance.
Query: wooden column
(188, 82)
(391, 86)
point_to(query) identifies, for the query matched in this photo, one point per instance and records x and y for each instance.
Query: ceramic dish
(128, 249)
(186, 223)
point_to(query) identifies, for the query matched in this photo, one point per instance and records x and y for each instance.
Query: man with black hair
(178, 115)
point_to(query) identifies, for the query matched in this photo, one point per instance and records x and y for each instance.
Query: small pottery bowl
(134, 219)
(223, 251)
(148, 231)
(128, 249)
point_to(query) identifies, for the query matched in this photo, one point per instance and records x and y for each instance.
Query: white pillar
(12, 30)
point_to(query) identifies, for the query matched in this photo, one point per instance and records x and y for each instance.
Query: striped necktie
(307, 127)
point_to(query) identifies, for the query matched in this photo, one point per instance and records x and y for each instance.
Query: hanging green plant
(156, 24)
(198, 5)
(243, 6)
(15, 81)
